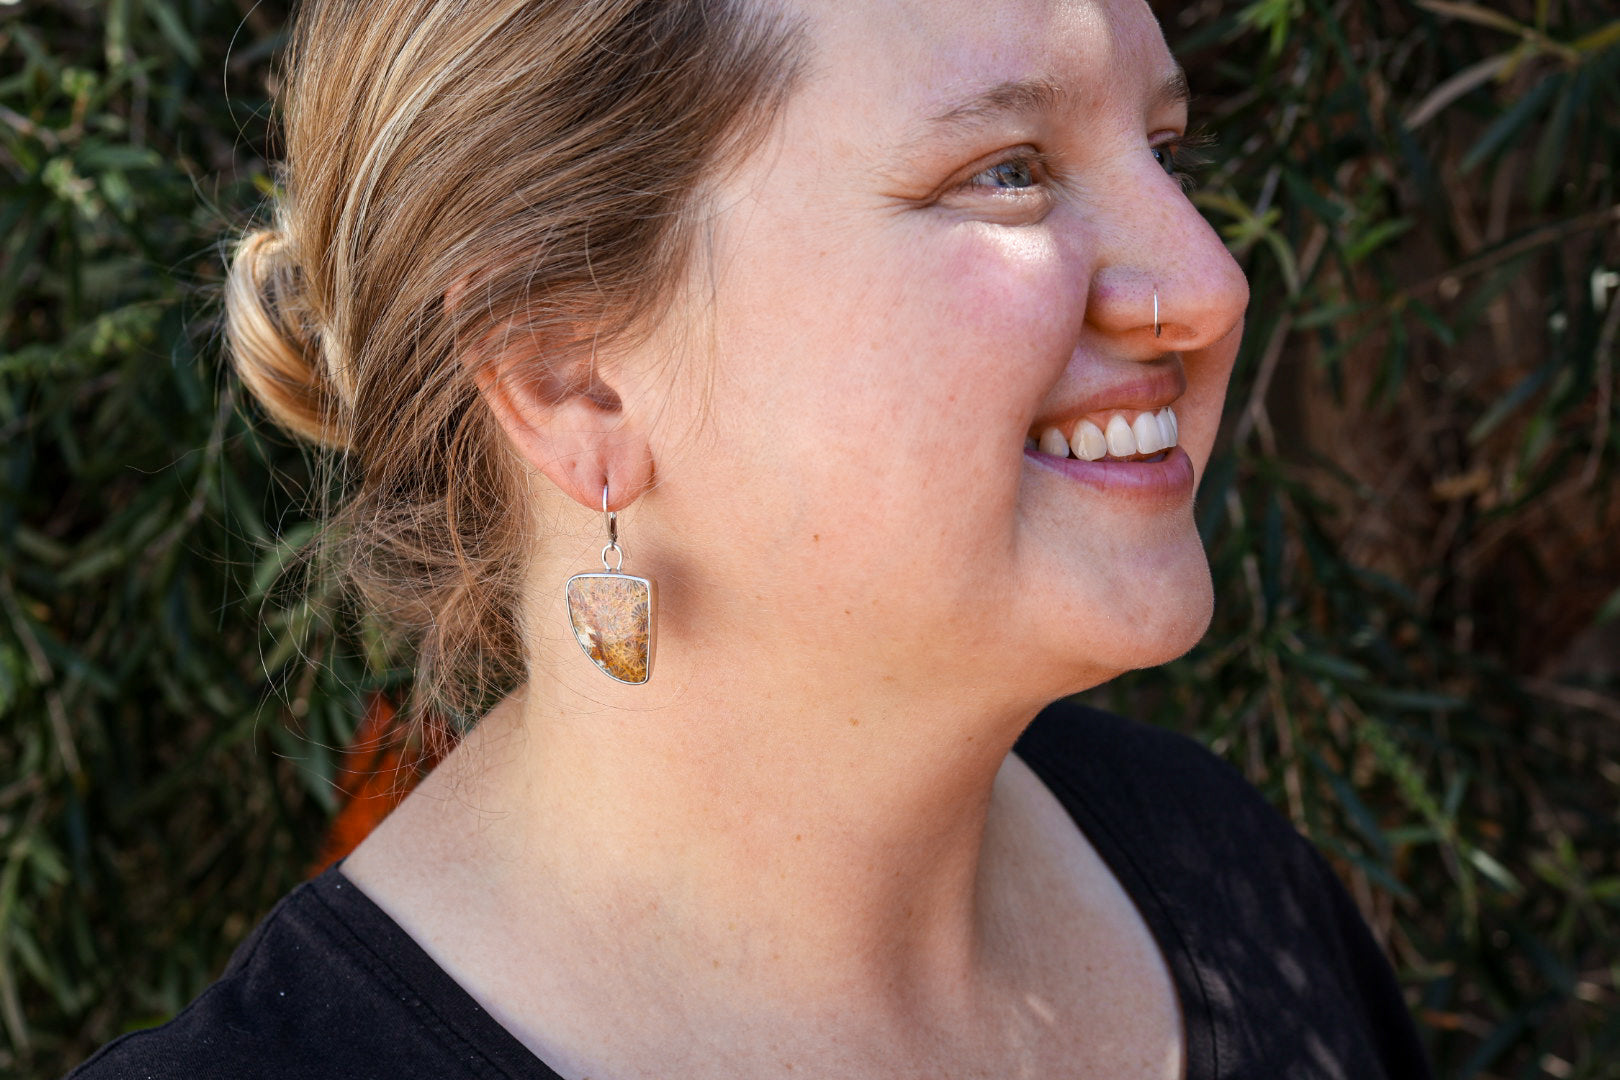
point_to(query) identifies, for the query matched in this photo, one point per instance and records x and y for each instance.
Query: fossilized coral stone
(612, 619)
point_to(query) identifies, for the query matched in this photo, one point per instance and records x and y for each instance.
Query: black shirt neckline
(1201, 1043)
(437, 992)
(454, 1007)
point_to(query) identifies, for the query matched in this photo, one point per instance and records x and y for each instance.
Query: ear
(562, 415)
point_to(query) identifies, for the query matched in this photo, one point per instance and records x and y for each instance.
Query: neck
(797, 844)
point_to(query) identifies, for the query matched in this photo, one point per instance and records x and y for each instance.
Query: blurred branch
(1575, 697)
(1603, 360)
(46, 679)
(1523, 245)
(25, 126)
(1489, 17)
(1459, 84)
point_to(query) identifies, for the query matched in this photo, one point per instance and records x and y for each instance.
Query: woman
(886, 338)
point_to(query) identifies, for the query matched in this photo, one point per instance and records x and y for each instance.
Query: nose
(1156, 250)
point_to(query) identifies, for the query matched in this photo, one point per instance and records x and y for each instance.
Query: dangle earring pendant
(612, 612)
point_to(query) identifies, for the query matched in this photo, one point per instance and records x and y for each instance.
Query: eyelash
(1187, 157)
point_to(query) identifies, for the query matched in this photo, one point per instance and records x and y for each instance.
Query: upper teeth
(1149, 434)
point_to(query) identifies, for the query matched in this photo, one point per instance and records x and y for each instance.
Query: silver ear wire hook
(1156, 327)
(613, 534)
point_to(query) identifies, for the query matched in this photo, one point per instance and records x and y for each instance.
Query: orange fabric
(378, 770)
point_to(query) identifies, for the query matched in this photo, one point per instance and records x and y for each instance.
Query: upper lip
(1147, 389)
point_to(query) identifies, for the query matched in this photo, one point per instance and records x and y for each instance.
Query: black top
(1277, 973)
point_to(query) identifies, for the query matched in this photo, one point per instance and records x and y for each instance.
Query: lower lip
(1168, 481)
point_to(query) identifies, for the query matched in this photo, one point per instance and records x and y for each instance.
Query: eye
(1014, 186)
(1180, 158)
(1013, 174)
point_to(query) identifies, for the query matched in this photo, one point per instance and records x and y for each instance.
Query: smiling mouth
(1121, 436)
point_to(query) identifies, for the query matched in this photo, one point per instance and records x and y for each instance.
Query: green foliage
(153, 794)
(1411, 521)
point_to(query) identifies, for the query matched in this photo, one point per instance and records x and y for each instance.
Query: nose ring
(1156, 327)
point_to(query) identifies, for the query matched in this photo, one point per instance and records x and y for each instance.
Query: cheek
(1011, 292)
(1002, 279)
(965, 333)
(904, 334)
(863, 383)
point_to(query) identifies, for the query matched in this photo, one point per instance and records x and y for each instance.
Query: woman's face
(949, 246)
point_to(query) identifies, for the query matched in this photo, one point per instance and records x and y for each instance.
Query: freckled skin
(874, 393)
(804, 836)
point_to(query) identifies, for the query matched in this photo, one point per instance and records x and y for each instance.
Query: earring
(1156, 327)
(612, 612)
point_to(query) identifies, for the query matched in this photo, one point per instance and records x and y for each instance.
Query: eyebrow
(1173, 89)
(1014, 98)
(1022, 97)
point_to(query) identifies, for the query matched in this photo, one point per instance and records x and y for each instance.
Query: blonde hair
(543, 159)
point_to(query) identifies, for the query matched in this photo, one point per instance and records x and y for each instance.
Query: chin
(1178, 630)
(1131, 640)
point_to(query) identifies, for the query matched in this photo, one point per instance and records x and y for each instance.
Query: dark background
(1414, 518)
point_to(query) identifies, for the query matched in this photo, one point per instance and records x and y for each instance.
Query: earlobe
(566, 421)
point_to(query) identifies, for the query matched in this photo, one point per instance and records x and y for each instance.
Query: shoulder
(300, 997)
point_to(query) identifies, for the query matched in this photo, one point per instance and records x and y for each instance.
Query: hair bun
(275, 343)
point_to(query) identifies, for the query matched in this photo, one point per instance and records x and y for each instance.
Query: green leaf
(1365, 822)
(1374, 238)
(95, 157)
(1494, 871)
(1605, 37)
(164, 15)
(1509, 403)
(1334, 667)
(1546, 164)
(1510, 126)
(1411, 700)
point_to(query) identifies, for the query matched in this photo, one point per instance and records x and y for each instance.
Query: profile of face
(949, 245)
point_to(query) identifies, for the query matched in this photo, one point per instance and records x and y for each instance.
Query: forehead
(893, 62)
